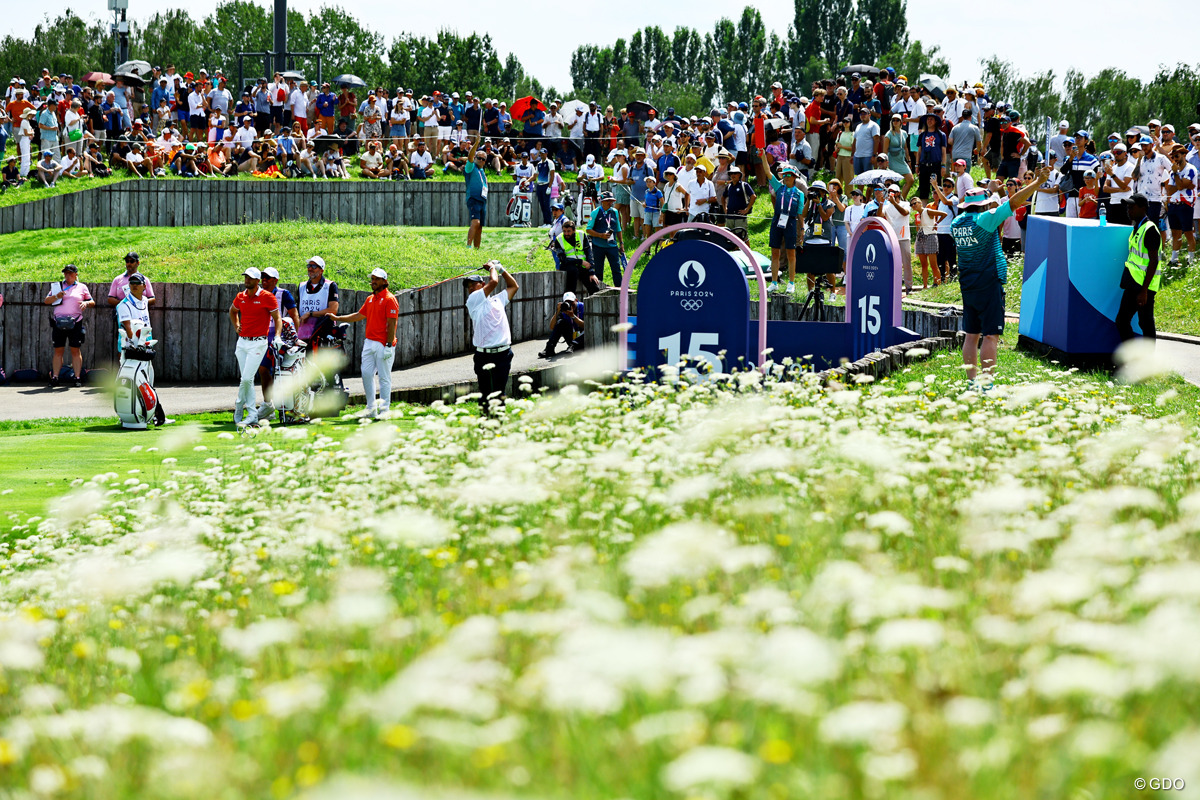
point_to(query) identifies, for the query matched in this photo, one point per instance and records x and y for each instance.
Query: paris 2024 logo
(691, 278)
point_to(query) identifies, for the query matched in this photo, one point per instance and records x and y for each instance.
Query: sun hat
(976, 197)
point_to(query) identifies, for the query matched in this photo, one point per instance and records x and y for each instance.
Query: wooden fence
(603, 312)
(196, 339)
(177, 203)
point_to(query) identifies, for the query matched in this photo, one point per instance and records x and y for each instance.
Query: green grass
(676, 591)
(44, 459)
(218, 254)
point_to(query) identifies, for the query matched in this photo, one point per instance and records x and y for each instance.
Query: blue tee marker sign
(873, 287)
(693, 303)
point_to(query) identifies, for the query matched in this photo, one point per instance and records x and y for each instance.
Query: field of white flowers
(774, 590)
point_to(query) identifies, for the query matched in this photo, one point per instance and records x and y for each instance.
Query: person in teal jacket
(789, 205)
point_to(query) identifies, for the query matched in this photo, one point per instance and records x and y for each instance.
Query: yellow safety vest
(571, 250)
(1139, 259)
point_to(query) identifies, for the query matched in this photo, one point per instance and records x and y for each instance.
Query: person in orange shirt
(252, 314)
(382, 313)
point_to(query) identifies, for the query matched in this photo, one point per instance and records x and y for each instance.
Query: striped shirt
(981, 261)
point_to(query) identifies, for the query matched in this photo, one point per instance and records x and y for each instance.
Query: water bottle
(1103, 216)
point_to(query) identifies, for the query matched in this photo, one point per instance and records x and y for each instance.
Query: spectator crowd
(662, 167)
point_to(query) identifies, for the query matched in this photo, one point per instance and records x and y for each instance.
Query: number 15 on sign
(671, 344)
(868, 314)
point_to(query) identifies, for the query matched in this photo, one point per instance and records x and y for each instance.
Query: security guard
(1141, 278)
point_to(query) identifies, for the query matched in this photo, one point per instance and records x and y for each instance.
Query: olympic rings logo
(691, 305)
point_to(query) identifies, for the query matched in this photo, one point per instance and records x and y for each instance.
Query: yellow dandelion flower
(309, 775)
(400, 737)
(8, 753)
(281, 588)
(775, 751)
(308, 752)
(243, 710)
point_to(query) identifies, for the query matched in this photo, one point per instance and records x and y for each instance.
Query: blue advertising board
(1071, 286)
(693, 303)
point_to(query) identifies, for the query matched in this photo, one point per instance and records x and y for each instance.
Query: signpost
(694, 306)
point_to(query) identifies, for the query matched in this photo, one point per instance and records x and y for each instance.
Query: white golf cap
(252, 272)
(317, 261)
(271, 272)
(379, 272)
(1064, 124)
(569, 297)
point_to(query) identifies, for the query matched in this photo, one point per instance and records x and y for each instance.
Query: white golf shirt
(489, 319)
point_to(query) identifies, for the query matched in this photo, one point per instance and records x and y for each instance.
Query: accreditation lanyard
(786, 202)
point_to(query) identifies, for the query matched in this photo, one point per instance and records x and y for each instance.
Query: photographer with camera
(566, 324)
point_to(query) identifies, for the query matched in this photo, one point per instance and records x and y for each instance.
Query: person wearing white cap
(253, 312)
(382, 313)
(25, 139)
(491, 337)
(566, 324)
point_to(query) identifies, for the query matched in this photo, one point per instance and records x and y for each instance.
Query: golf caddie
(1140, 281)
(492, 336)
(252, 312)
(983, 270)
(381, 310)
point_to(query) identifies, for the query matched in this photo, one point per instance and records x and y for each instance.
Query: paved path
(39, 402)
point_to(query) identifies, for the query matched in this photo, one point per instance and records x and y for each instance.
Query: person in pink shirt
(68, 299)
(119, 289)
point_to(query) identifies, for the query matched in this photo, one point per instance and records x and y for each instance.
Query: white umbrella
(568, 109)
(875, 176)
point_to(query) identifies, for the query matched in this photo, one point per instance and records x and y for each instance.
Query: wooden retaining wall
(215, 201)
(196, 338)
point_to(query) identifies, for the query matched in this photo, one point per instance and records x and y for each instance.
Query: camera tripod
(816, 300)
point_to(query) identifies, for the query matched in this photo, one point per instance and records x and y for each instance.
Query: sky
(1018, 30)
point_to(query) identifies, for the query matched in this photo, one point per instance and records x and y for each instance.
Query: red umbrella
(98, 77)
(519, 108)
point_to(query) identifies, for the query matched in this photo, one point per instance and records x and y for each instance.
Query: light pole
(120, 31)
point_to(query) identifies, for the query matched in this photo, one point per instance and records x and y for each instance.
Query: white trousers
(377, 359)
(1073, 207)
(249, 354)
(23, 147)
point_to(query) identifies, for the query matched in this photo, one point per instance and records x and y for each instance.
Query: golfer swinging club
(252, 313)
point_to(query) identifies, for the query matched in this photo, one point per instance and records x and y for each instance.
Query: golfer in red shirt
(252, 312)
(382, 312)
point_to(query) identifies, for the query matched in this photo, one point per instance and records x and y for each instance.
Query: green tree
(67, 43)
(169, 37)
(913, 60)
(752, 53)
(234, 26)
(346, 45)
(876, 26)
(833, 24)
(730, 67)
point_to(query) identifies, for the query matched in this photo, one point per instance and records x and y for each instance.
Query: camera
(564, 306)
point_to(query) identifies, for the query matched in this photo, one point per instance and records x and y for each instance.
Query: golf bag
(335, 338)
(135, 399)
(520, 205)
(290, 397)
(587, 202)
